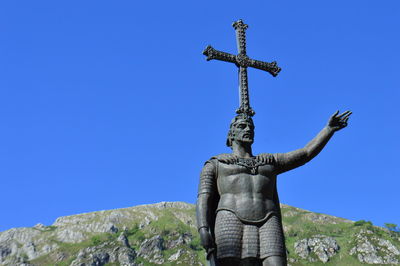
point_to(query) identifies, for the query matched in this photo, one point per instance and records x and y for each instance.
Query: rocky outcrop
(108, 252)
(177, 240)
(20, 245)
(371, 249)
(151, 249)
(319, 246)
(324, 219)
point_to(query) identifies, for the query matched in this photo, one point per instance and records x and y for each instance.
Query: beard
(245, 138)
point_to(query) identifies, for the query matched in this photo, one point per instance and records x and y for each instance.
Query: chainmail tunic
(236, 239)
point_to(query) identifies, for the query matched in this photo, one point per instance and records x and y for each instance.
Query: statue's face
(243, 131)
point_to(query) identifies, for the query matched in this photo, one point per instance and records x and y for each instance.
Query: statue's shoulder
(266, 158)
(227, 158)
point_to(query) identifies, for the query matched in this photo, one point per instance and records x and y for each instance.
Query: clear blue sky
(110, 104)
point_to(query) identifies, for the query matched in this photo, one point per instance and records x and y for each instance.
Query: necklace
(250, 163)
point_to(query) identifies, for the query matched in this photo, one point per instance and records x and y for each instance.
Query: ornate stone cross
(242, 61)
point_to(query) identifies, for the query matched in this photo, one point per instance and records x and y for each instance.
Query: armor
(247, 215)
(236, 239)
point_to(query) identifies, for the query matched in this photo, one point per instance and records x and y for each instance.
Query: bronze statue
(238, 211)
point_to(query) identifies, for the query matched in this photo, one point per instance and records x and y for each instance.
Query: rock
(319, 218)
(30, 250)
(70, 235)
(389, 246)
(123, 240)
(91, 257)
(113, 229)
(39, 226)
(370, 249)
(182, 239)
(60, 256)
(4, 252)
(126, 258)
(151, 249)
(21, 235)
(323, 247)
(176, 255)
(290, 213)
(146, 221)
(167, 205)
(108, 252)
(100, 258)
(47, 248)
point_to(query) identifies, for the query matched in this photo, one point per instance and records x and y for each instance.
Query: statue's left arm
(291, 160)
(207, 200)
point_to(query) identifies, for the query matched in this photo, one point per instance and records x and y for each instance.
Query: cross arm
(271, 68)
(211, 53)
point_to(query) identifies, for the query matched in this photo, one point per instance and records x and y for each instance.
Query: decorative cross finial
(242, 61)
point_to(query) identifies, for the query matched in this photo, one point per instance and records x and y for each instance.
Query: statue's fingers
(349, 113)
(334, 115)
(345, 114)
(346, 117)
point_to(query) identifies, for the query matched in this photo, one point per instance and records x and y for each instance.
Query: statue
(238, 212)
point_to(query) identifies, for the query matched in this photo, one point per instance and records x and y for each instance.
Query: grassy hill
(165, 234)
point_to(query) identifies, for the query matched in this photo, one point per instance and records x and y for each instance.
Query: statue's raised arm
(291, 160)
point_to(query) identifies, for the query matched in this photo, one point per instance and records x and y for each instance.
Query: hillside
(165, 234)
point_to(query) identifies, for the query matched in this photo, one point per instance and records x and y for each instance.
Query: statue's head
(241, 129)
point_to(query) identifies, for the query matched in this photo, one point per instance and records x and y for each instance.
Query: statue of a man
(238, 212)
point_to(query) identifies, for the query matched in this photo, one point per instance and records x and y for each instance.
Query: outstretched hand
(337, 122)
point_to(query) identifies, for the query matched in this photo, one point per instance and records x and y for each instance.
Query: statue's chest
(240, 178)
(248, 167)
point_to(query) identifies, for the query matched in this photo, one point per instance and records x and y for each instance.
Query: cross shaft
(242, 61)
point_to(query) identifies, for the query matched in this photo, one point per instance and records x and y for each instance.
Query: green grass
(135, 236)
